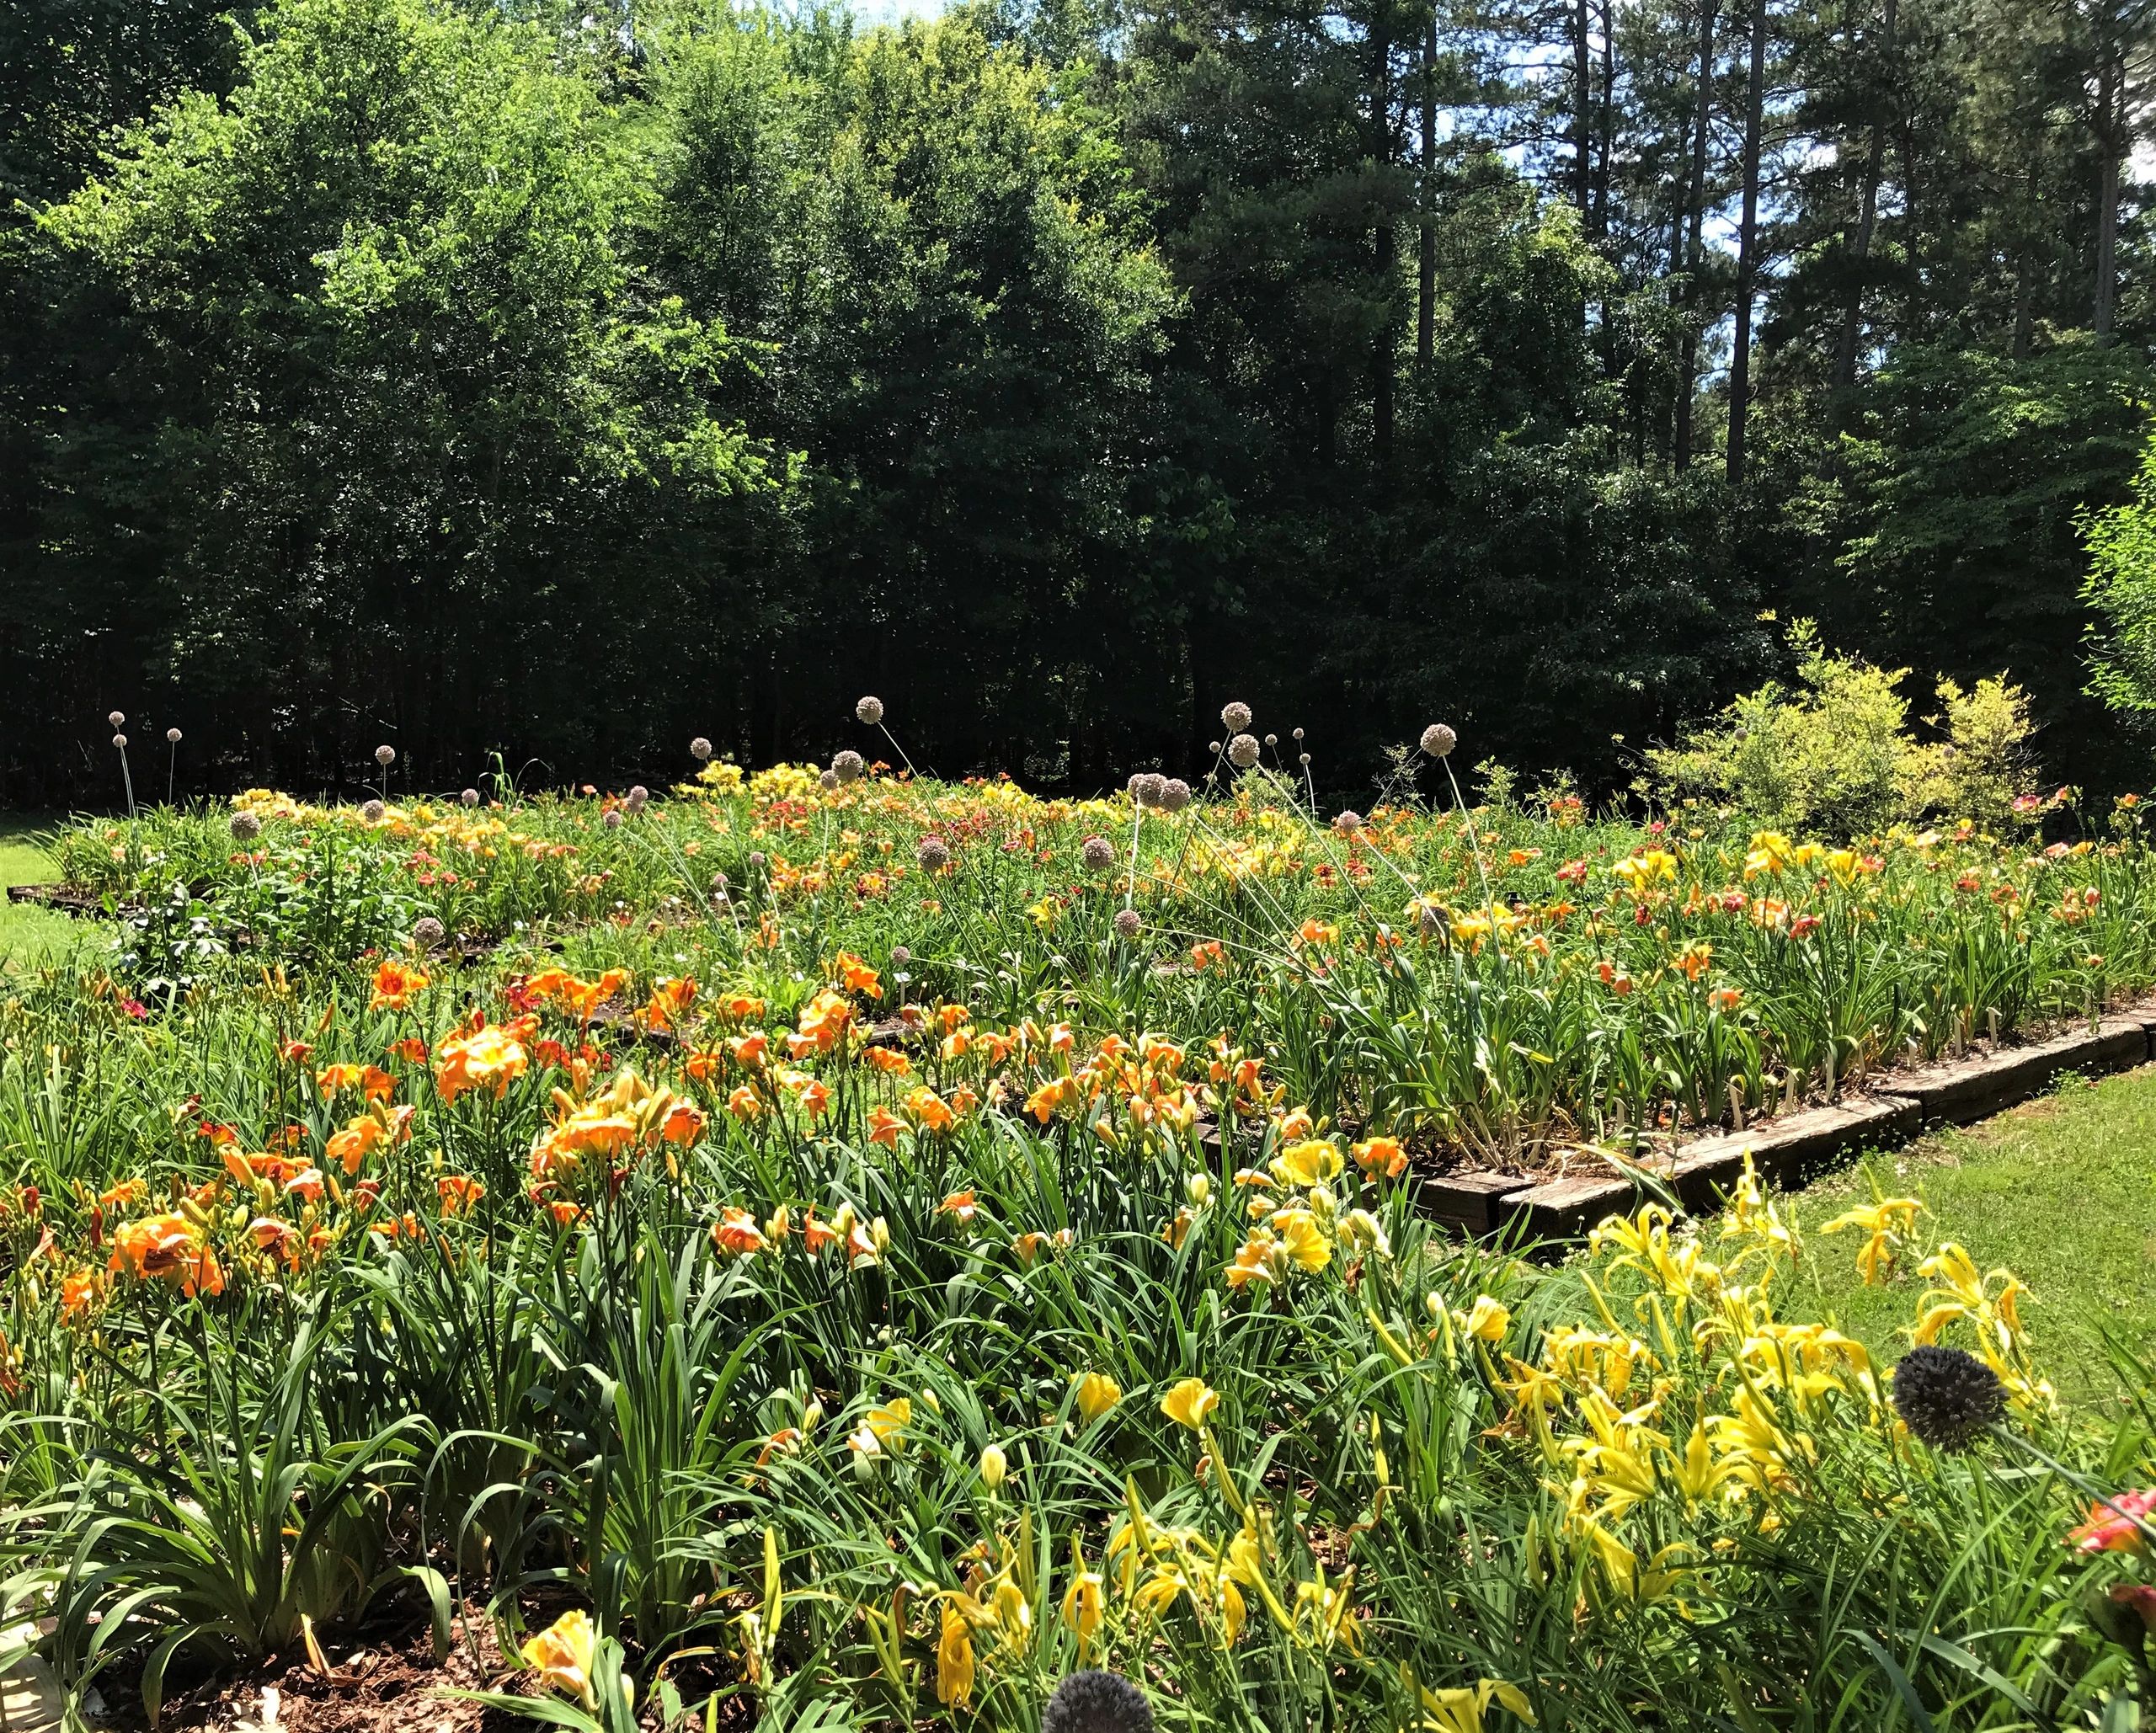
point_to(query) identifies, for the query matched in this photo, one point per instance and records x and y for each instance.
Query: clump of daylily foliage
(874, 1280)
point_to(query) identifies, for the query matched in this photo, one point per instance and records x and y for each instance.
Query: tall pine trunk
(2109, 125)
(1383, 357)
(1688, 374)
(1426, 273)
(1747, 249)
(1583, 111)
(1860, 245)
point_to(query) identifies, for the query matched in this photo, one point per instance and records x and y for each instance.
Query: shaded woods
(562, 382)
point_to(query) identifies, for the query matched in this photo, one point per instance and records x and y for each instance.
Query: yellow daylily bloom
(1097, 1393)
(562, 1654)
(1190, 1403)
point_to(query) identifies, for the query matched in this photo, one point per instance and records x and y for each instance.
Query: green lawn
(28, 934)
(2061, 1191)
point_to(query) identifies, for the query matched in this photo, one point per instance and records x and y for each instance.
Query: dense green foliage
(530, 379)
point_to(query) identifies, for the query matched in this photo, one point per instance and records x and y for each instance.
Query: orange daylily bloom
(395, 983)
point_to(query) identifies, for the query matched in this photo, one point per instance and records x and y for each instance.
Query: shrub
(1836, 752)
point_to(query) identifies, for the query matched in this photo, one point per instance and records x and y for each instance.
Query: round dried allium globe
(1439, 740)
(1098, 854)
(245, 827)
(1127, 922)
(385, 756)
(1213, 746)
(118, 719)
(470, 797)
(1427, 921)
(1148, 788)
(1272, 739)
(1175, 794)
(1298, 733)
(849, 765)
(933, 854)
(612, 821)
(1348, 823)
(700, 750)
(870, 711)
(1303, 758)
(1235, 718)
(719, 882)
(1947, 1396)
(374, 812)
(638, 794)
(121, 741)
(1096, 1702)
(172, 737)
(426, 932)
(1242, 751)
(756, 861)
(828, 781)
(900, 955)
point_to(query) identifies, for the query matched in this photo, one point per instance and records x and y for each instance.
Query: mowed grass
(28, 933)
(2061, 1190)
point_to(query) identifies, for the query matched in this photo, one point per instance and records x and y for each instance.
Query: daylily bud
(994, 1466)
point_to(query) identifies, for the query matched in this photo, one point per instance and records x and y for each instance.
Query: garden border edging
(1791, 1148)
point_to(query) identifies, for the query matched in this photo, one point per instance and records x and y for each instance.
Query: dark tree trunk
(1583, 111)
(1859, 244)
(2109, 117)
(1426, 272)
(1687, 371)
(1747, 249)
(1383, 358)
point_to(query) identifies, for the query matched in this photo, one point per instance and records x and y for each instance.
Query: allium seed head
(1096, 1702)
(828, 781)
(385, 756)
(121, 741)
(1213, 746)
(1272, 739)
(426, 932)
(870, 711)
(1098, 854)
(374, 812)
(1126, 923)
(1175, 794)
(172, 737)
(901, 955)
(849, 765)
(1297, 734)
(933, 853)
(1148, 788)
(638, 794)
(719, 882)
(1235, 718)
(1427, 922)
(470, 797)
(1348, 823)
(1439, 740)
(1302, 758)
(118, 719)
(612, 820)
(1242, 751)
(700, 749)
(1946, 1396)
(245, 827)
(756, 861)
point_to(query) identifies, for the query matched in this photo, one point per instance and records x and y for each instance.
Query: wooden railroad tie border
(1793, 1148)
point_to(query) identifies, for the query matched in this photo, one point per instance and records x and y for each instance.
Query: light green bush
(1836, 752)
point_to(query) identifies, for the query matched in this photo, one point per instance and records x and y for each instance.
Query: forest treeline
(563, 380)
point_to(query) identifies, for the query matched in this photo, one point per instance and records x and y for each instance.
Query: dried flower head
(1439, 740)
(427, 932)
(899, 954)
(1127, 922)
(1096, 1702)
(700, 750)
(1428, 921)
(121, 741)
(638, 794)
(1297, 734)
(1242, 751)
(1272, 739)
(385, 756)
(757, 860)
(118, 719)
(245, 827)
(612, 820)
(1348, 823)
(870, 711)
(719, 882)
(470, 797)
(828, 780)
(1946, 1396)
(1098, 854)
(1303, 759)
(849, 765)
(933, 853)
(1213, 746)
(172, 737)
(374, 812)
(1175, 794)
(1235, 718)
(1147, 787)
